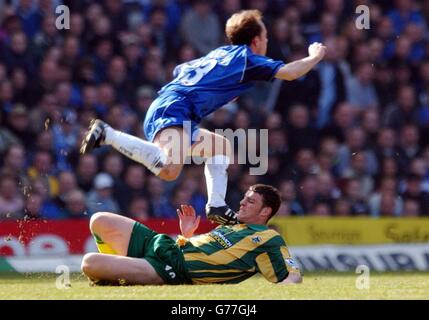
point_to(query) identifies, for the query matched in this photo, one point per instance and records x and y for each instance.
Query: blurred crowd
(350, 138)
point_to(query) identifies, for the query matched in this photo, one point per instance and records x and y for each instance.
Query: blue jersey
(219, 77)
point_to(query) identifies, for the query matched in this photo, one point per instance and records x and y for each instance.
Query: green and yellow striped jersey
(231, 254)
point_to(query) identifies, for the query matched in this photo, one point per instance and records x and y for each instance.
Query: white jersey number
(191, 73)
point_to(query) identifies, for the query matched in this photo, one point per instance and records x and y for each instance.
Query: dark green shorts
(161, 252)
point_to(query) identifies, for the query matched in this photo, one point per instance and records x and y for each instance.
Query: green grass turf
(315, 286)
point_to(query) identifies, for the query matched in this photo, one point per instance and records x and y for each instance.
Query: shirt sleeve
(275, 264)
(260, 68)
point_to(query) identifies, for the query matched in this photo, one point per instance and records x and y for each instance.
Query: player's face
(262, 41)
(250, 207)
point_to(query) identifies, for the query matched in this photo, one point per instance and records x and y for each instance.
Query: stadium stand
(348, 139)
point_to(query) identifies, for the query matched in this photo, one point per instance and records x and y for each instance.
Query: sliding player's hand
(188, 220)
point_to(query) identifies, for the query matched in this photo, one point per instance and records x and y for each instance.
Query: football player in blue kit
(199, 88)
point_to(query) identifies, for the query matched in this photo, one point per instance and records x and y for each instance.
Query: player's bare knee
(99, 221)
(89, 263)
(94, 221)
(168, 176)
(170, 173)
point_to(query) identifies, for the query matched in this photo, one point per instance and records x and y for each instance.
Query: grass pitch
(315, 286)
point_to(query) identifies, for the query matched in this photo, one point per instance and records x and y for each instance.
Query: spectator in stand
(11, 200)
(299, 132)
(178, 197)
(14, 163)
(306, 91)
(386, 146)
(327, 191)
(389, 169)
(358, 170)
(75, 205)
(277, 143)
(198, 199)
(33, 206)
(47, 37)
(342, 208)
(17, 53)
(200, 27)
(113, 164)
(66, 183)
(321, 209)
(419, 167)
(371, 124)
(304, 163)
(355, 197)
(404, 110)
(361, 90)
(409, 147)
(29, 16)
(86, 170)
(133, 187)
(384, 85)
(307, 194)
(65, 137)
(139, 209)
(49, 209)
(413, 191)
(47, 80)
(404, 13)
(43, 167)
(327, 156)
(100, 199)
(344, 118)
(227, 8)
(356, 142)
(288, 195)
(381, 199)
(156, 189)
(328, 27)
(411, 208)
(332, 82)
(145, 96)
(18, 124)
(20, 85)
(387, 204)
(6, 93)
(279, 45)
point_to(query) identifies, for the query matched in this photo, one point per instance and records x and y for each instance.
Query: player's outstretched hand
(189, 221)
(317, 50)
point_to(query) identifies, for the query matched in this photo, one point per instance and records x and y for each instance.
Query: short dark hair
(270, 197)
(243, 26)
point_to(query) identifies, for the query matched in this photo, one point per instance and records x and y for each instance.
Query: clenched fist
(317, 50)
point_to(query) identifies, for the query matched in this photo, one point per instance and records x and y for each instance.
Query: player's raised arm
(189, 221)
(296, 69)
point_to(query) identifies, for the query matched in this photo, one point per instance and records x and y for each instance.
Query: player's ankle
(108, 135)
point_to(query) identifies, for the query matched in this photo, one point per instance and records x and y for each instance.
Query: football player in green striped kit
(131, 253)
